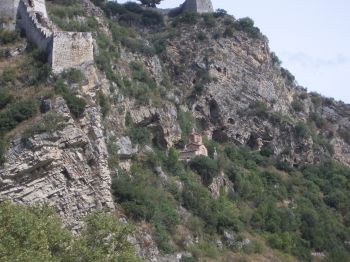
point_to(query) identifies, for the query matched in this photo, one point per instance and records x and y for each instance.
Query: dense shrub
(186, 123)
(2, 150)
(209, 20)
(275, 59)
(104, 103)
(186, 18)
(316, 99)
(302, 130)
(8, 37)
(259, 109)
(288, 76)
(73, 76)
(5, 97)
(220, 13)
(206, 167)
(298, 105)
(345, 134)
(50, 122)
(201, 36)
(246, 24)
(143, 199)
(319, 121)
(7, 77)
(75, 104)
(140, 135)
(37, 234)
(17, 113)
(152, 18)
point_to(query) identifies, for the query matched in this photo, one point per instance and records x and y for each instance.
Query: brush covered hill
(107, 136)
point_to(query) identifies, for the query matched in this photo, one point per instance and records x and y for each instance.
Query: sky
(311, 38)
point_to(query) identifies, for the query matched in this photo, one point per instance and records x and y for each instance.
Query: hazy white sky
(311, 37)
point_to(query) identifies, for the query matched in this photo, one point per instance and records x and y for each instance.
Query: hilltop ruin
(64, 49)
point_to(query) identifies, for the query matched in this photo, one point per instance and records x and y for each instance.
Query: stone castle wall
(70, 49)
(8, 13)
(65, 49)
(198, 6)
(29, 20)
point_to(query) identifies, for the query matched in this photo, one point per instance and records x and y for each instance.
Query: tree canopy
(150, 3)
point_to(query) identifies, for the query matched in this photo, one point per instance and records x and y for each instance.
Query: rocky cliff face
(242, 76)
(232, 87)
(66, 169)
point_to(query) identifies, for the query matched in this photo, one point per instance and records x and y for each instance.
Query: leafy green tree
(206, 167)
(150, 3)
(103, 238)
(31, 234)
(37, 234)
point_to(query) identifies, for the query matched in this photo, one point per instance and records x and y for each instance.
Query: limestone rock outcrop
(66, 169)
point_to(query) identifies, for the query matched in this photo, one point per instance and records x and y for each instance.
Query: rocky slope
(232, 87)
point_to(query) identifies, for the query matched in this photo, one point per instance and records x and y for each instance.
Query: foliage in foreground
(36, 234)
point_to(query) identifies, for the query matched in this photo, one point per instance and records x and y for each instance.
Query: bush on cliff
(206, 167)
(75, 104)
(17, 113)
(8, 37)
(37, 234)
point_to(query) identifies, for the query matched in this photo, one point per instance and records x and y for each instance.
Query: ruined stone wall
(39, 6)
(8, 13)
(36, 32)
(204, 6)
(198, 6)
(70, 49)
(65, 49)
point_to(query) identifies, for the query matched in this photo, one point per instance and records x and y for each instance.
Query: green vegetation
(275, 59)
(73, 76)
(302, 130)
(75, 104)
(70, 16)
(16, 113)
(259, 109)
(186, 123)
(319, 121)
(206, 167)
(298, 105)
(201, 36)
(104, 103)
(288, 76)
(150, 3)
(143, 199)
(139, 135)
(50, 122)
(186, 18)
(8, 37)
(143, 86)
(345, 134)
(36, 234)
(209, 20)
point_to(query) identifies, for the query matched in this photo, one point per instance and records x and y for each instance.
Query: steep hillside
(108, 135)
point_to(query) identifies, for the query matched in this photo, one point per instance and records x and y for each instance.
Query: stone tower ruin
(64, 49)
(198, 6)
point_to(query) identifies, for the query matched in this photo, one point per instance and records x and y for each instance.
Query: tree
(206, 167)
(37, 234)
(150, 3)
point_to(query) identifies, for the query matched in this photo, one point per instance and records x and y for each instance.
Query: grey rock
(125, 148)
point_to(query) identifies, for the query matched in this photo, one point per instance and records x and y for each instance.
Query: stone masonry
(70, 49)
(198, 6)
(64, 49)
(8, 13)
